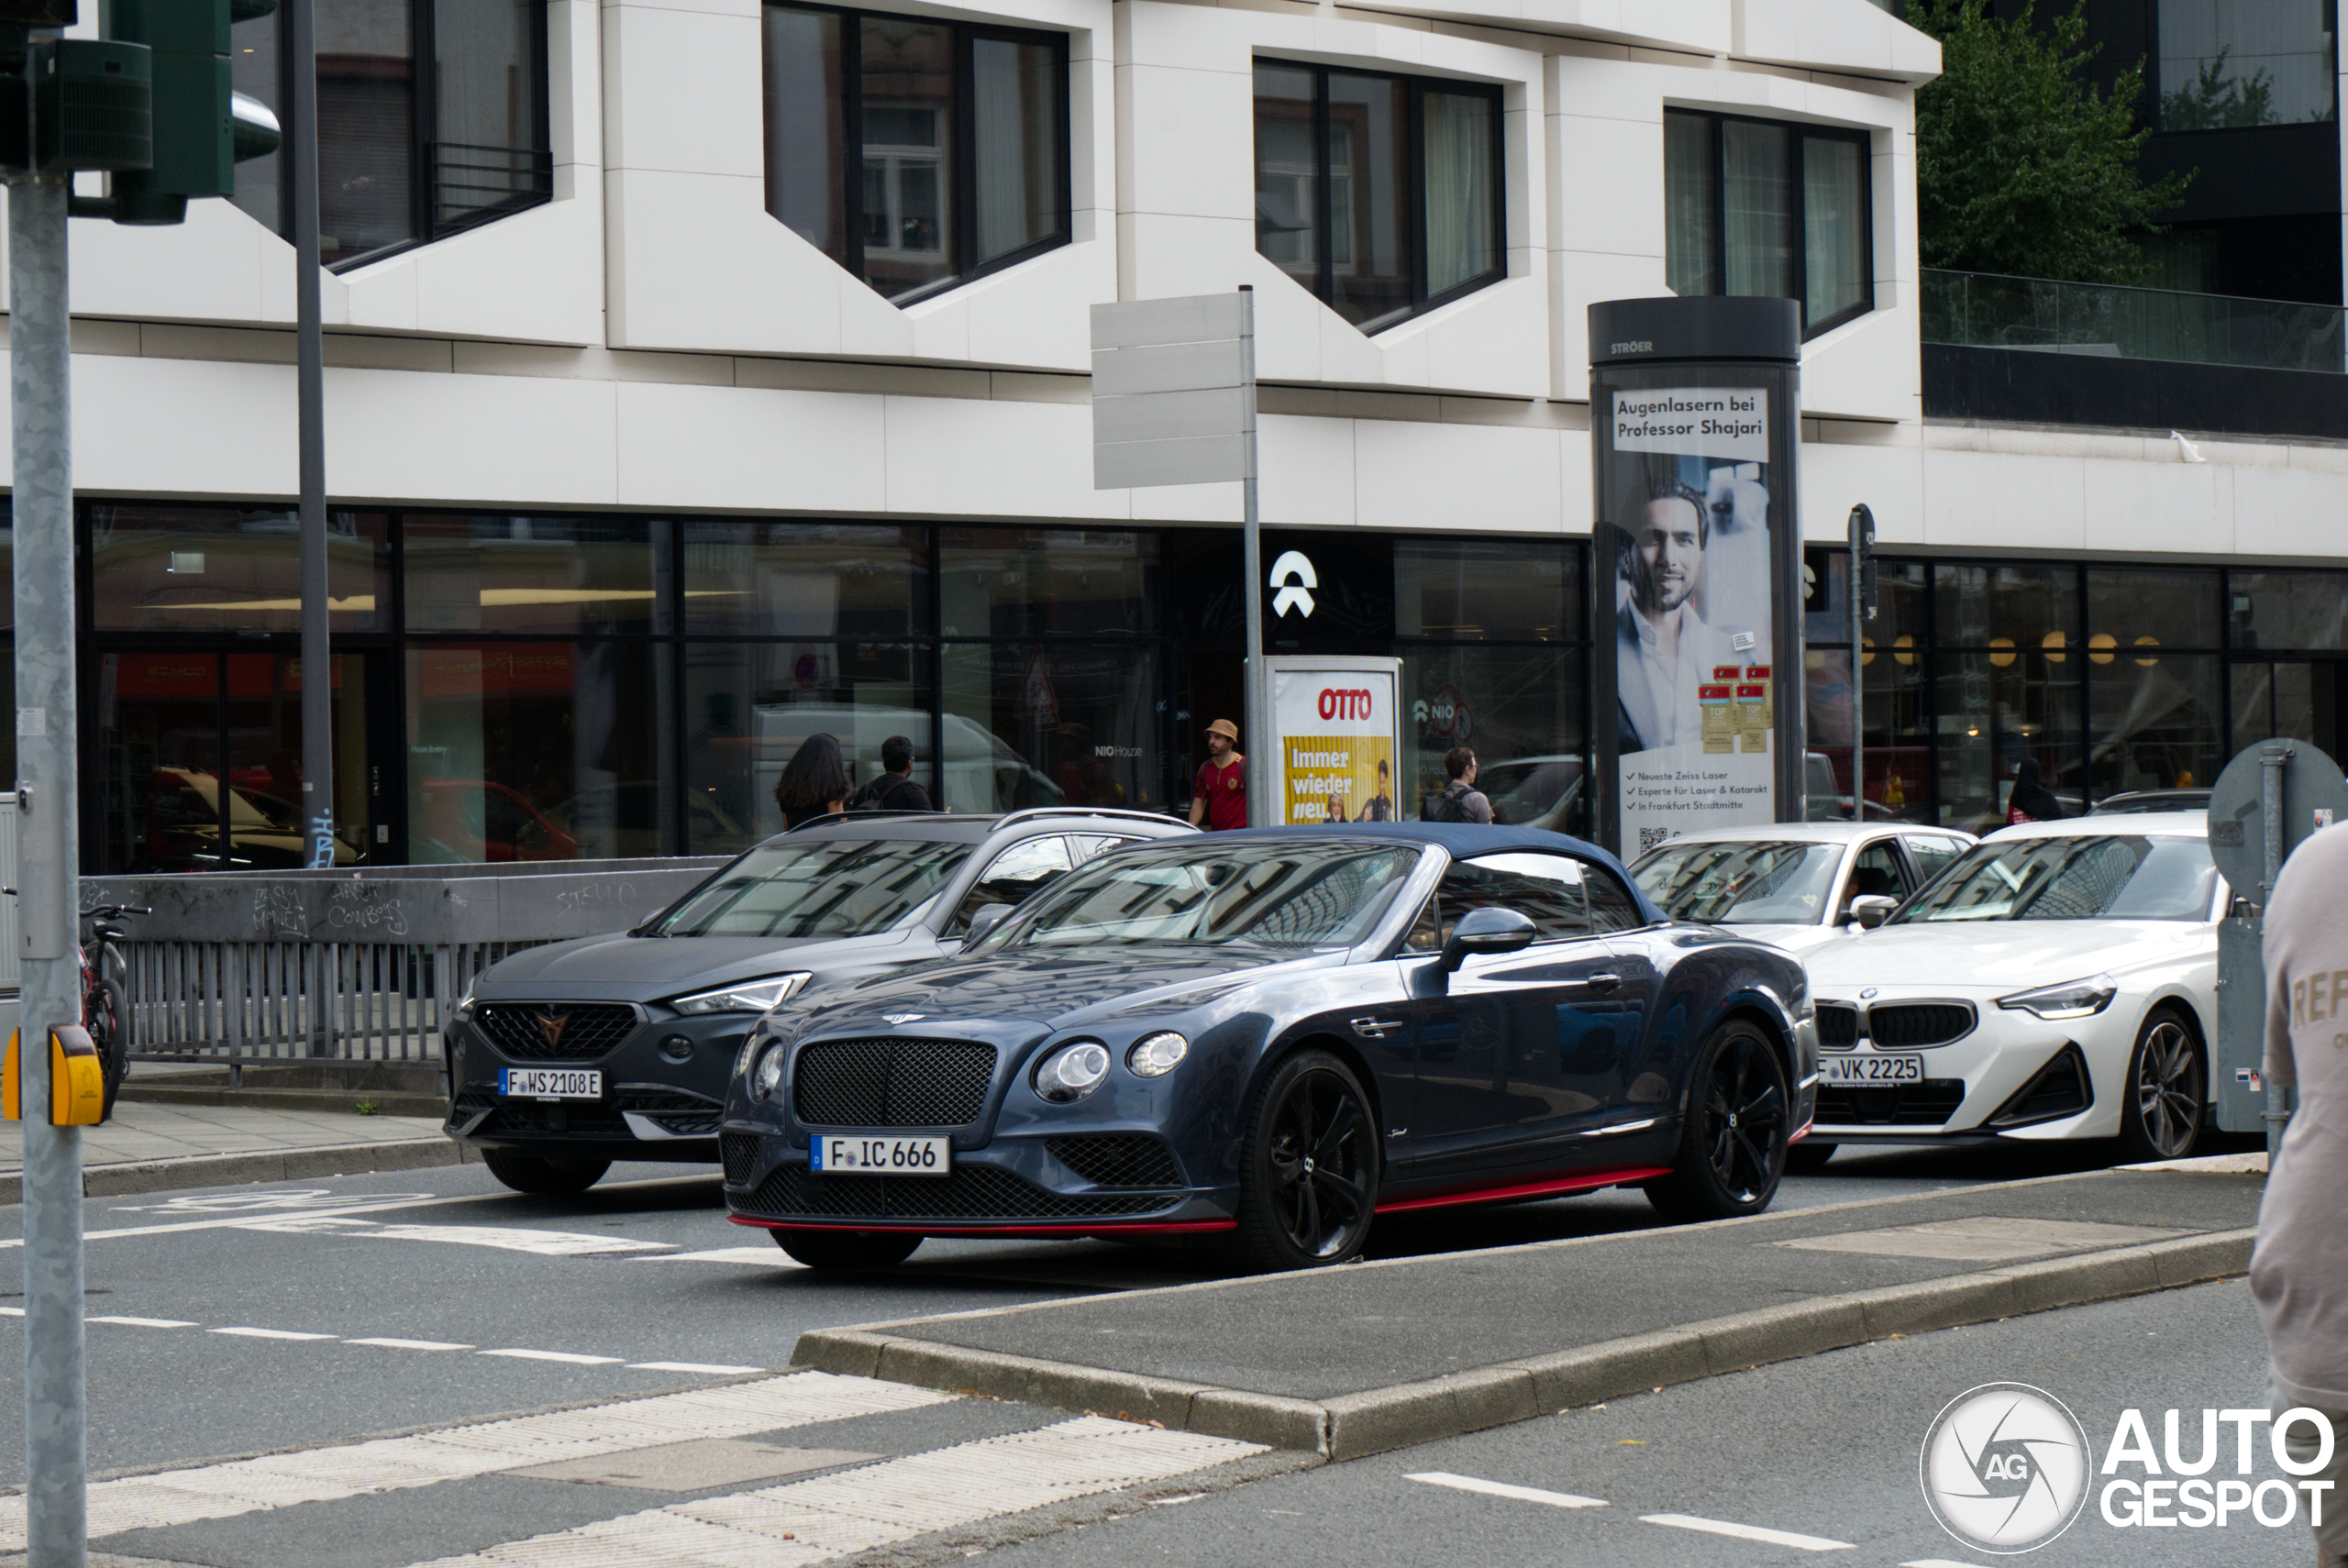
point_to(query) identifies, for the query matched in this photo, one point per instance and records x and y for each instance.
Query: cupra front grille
(555, 1032)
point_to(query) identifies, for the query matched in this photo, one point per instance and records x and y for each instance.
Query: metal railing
(1983, 310)
(472, 184)
(344, 966)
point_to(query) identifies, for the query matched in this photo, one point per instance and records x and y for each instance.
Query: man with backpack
(1460, 800)
(894, 790)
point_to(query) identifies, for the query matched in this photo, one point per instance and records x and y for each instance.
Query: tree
(2021, 166)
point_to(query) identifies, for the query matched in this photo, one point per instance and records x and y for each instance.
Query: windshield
(831, 887)
(1270, 893)
(2122, 877)
(1742, 883)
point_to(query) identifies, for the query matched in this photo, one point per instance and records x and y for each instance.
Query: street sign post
(2271, 797)
(1174, 403)
(1859, 589)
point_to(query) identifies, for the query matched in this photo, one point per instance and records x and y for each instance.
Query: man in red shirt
(1219, 797)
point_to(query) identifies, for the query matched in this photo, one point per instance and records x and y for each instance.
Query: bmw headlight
(2072, 999)
(1158, 1054)
(750, 996)
(767, 1076)
(1072, 1072)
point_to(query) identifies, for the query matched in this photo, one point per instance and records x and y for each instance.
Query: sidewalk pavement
(1377, 1355)
(149, 1147)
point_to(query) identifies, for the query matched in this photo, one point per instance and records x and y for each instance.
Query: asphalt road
(489, 1303)
(1824, 1448)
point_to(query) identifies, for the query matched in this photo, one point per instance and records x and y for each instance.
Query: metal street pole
(1251, 549)
(2273, 758)
(309, 384)
(1862, 530)
(48, 883)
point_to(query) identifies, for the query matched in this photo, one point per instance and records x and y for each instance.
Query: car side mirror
(984, 918)
(1871, 910)
(1486, 930)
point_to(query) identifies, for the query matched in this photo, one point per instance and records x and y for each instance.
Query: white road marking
(755, 1258)
(1749, 1533)
(713, 1370)
(1951, 1562)
(854, 1510)
(267, 1334)
(1502, 1489)
(555, 1355)
(151, 1322)
(512, 1239)
(410, 1345)
(11, 1311)
(390, 1465)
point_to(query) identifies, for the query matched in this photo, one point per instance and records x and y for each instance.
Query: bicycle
(106, 999)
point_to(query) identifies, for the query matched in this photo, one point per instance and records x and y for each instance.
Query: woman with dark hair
(815, 781)
(2032, 800)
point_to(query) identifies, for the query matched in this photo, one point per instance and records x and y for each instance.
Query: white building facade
(704, 373)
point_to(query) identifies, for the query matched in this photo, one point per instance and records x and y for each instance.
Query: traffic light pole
(309, 385)
(48, 892)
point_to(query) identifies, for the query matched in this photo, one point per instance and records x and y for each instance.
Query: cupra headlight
(750, 996)
(463, 1010)
(2072, 999)
(767, 1076)
(1072, 1072)
(1158, 1055)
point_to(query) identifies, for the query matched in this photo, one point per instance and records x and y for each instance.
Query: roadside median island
(1371, 1356)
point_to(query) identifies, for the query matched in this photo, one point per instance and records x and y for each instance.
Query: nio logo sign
(1293, 567)
(1336, 705)
(2005, 1467)
(550, 1027)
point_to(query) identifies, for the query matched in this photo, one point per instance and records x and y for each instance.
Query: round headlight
(1072, 1072)
(1158, 1055)
(767, 1076)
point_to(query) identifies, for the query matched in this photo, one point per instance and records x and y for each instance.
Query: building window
(2226, 64)
(962, 165)
(1756, 208)
(1382, 195)
(407, 155)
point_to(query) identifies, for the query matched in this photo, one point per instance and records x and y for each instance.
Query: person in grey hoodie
(2299, 1271)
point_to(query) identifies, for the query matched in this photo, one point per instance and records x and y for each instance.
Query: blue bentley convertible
(1279, 1035)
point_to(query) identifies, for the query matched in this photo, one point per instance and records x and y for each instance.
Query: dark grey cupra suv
(567, 1058)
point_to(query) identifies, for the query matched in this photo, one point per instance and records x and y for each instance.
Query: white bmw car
(2058, 981)
(1793, 884)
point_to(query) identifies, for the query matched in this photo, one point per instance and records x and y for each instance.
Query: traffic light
(202, 127)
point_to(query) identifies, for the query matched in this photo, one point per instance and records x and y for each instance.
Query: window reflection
(221, 568)
(533, 574)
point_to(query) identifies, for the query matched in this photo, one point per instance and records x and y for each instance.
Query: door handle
(1376, 1028)
(1606, 982)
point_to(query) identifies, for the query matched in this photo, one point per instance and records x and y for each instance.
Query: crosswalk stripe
(713, 1369)
(390, 1465)
(1748, 1532)
(856, 1510)
(412, 1344)
(149, 1322)
(507, 1238)
(556, 1355)
(267, 1334)
(1502, 1489)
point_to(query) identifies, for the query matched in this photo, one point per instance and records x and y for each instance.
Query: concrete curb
(1351, 1425)
(255, 1166)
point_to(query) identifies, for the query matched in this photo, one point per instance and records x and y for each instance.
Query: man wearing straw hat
(1219, 796)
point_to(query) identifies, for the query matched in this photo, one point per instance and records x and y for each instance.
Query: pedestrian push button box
(76, 1076)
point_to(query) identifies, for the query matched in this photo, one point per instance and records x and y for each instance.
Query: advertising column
(1333, 721)
(1697, 718)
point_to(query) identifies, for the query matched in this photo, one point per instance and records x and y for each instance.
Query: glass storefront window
(537, 575)
(1051, 724)
(1996, 708)
(2154, 721)
(537, 751)
(2286, 610)
(1522, 711)
(2150, 610)
(1899, 750)
(213, 568)
(1018, 582)
(1480, 589)
(2006, 607)
(1902, 619)
(750, 706)
(806, 580)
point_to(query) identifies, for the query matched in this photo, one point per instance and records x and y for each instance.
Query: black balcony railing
(1982, 310)
(473, 185)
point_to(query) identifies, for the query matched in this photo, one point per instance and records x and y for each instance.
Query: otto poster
(1334, 722)
(1695, 688)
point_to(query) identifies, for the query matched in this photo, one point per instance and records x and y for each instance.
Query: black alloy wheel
(846, 1249)
(1308, 1174)
(2161, 1118)
(542, 1177)
(1733, 1140)
(1809, 1156)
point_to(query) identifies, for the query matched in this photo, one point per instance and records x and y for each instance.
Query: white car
(2058, 981)
(1792, 884)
